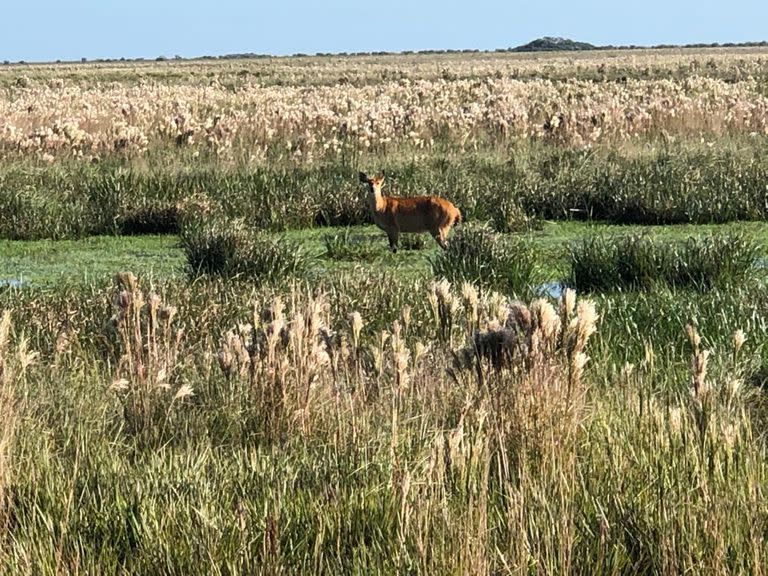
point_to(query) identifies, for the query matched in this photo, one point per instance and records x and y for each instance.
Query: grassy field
(334, 251)
(210, 363)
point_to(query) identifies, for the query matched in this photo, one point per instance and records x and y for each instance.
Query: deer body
(415, 214)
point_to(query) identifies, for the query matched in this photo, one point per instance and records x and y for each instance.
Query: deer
(415, 214)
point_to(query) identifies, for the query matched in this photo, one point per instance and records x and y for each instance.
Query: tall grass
(316, 441)
(513, 187)
(480, 256)
(229, 249)
(640, 262)
(14, 362)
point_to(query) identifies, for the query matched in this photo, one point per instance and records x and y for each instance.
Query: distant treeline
(539, 45)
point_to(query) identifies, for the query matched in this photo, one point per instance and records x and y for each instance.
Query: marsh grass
(150, 220)
(350, 246)
(14, 362)
(514, 187)
(477, 254)
(345, 245)
(230, 249)
(385, 420)
(320, 439)
(602, 263)
(146, 351)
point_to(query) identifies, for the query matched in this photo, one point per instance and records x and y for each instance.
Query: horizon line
(521, 49)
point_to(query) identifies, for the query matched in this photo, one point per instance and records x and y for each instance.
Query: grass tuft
(639, 262)
(478, 255)
(229, 249)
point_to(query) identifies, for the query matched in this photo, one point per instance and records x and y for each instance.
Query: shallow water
(11, 282)
(554, 289)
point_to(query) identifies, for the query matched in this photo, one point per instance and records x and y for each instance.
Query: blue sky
(44, 30)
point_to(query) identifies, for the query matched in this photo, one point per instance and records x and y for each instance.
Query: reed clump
(146, 352)
(478, 255)
(233, 250)
(640, 262)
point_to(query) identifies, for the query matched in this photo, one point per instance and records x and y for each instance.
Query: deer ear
(380, 177)
(363, 177)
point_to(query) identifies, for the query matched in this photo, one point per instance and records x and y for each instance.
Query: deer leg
(393, 237)
(439, 237)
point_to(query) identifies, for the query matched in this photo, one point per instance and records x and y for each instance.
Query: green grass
(506, 263)
(354, 466)
(46, 262)
(513, 186)
(640, 262)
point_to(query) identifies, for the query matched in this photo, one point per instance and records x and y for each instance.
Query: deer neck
(376, 200)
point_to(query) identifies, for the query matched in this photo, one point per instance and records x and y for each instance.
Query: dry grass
(14, 362)
(146, 355)
(478, 438)
(257, 123)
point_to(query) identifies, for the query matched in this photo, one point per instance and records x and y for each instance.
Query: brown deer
(416, 214)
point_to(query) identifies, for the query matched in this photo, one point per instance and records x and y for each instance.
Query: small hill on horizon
(550, 44)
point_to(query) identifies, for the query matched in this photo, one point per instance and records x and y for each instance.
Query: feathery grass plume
(400, 355)
(444, 307)
(580, 327)
(470, 300)
(738, 340)
(627, 371)
(356, 327)
(406, 316)
(356, 324)
(703, 400)
(675, 419)
(25, 356)
(699, 360)
(566, 308)
(535, 384)
(146, 356)
(234, 355)
(530, 338)
(224, 357)
(547, 321)
(285, 363)
(519, 318)
(587, 325)
(419, 351)
(5, 330)
(699, 374)
(577, 362)
(184, 391)
(496, 308)
(378, 355)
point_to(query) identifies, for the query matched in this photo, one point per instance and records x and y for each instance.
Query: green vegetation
(89, 260)
(274, 391)
(229, 249)
(510, 188)
(478, 256)
(550, 44)
(600, 263)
